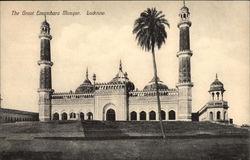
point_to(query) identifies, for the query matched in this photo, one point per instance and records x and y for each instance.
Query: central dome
(123, 77)
(152, 86)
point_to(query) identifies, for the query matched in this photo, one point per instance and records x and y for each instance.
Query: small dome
(86, 86)
(151, 85)
(184, 8)
(216, 85)
(87, 81)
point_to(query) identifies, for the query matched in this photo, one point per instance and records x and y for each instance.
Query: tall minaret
(185, 84)
(45, 90)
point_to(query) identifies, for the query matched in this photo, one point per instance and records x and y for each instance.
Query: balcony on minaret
(184, 17)
(45, 30)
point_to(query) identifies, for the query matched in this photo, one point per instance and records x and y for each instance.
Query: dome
(123, 77)
(216, 85)
(184, 8)
(86, 86)
(151, 85)
(45, 23)
(87, 81)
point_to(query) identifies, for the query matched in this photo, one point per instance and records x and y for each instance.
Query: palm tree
(150, 33)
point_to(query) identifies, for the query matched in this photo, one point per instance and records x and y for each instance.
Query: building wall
(10, 115)
(148, 104)
(116, 99)
(68, 105)
(206, 115)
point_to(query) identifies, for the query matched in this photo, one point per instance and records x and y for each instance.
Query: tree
(150, 33)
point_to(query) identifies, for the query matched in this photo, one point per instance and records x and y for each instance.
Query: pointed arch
(163, 115)
(133, 116)
(81, 116)
(225, 115)
(64, 116)
(110, 115)
(211, 116)
(56, 116)
(142, 115)
(152, 115)
(218, 115)
(89, 116)
(171, 115)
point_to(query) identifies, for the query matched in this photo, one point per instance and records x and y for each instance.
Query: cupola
(86, 86)
(152, 86)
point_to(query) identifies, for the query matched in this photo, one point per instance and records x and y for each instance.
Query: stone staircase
(152, 128)
(102, 129)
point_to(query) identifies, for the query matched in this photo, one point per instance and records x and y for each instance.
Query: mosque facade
(118, 99)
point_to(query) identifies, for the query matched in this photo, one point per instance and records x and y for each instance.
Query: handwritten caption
(55, 13)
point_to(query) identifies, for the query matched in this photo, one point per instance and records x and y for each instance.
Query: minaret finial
(87, 73)
(120, 67)
(216, 76)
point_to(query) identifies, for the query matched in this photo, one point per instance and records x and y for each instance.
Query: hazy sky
(219, 41)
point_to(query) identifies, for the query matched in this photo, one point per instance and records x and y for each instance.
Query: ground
(98, 140)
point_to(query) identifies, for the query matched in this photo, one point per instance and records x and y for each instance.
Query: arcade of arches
(218, 116)
(152, 115)
(72, 116)
(110, 115)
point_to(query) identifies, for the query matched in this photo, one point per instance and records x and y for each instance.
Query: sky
(219, 38)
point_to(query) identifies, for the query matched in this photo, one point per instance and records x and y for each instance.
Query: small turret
(216, 89)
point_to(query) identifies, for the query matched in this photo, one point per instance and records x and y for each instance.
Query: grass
(148, 149)
(64, 144)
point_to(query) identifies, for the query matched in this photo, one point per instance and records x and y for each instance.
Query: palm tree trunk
(157, 93)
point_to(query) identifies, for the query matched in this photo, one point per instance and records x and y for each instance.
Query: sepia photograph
(124, 80)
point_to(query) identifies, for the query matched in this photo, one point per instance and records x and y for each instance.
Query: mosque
(119, 100)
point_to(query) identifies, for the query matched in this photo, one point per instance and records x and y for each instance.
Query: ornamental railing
(217, 103)
(143, 93)
(67, 95)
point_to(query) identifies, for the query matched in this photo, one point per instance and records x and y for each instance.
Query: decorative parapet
(217, 103)
(71, 95)
(110, 85)
(167, 92)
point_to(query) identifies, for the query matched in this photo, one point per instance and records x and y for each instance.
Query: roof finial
(87, 73)
(120, 67)
(184, 3)
(45, 18)
(216, 76)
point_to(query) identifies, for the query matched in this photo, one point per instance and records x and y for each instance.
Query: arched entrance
(55, 116)
(90, 116)
(211, 116)
(72, 115)
(110, 115)
(81, 116)
(64, 116)
(171, 115)
(218, 115)
(142, 115)
(152, 115)
(133, 115)
(225, 114)
(163, 115)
